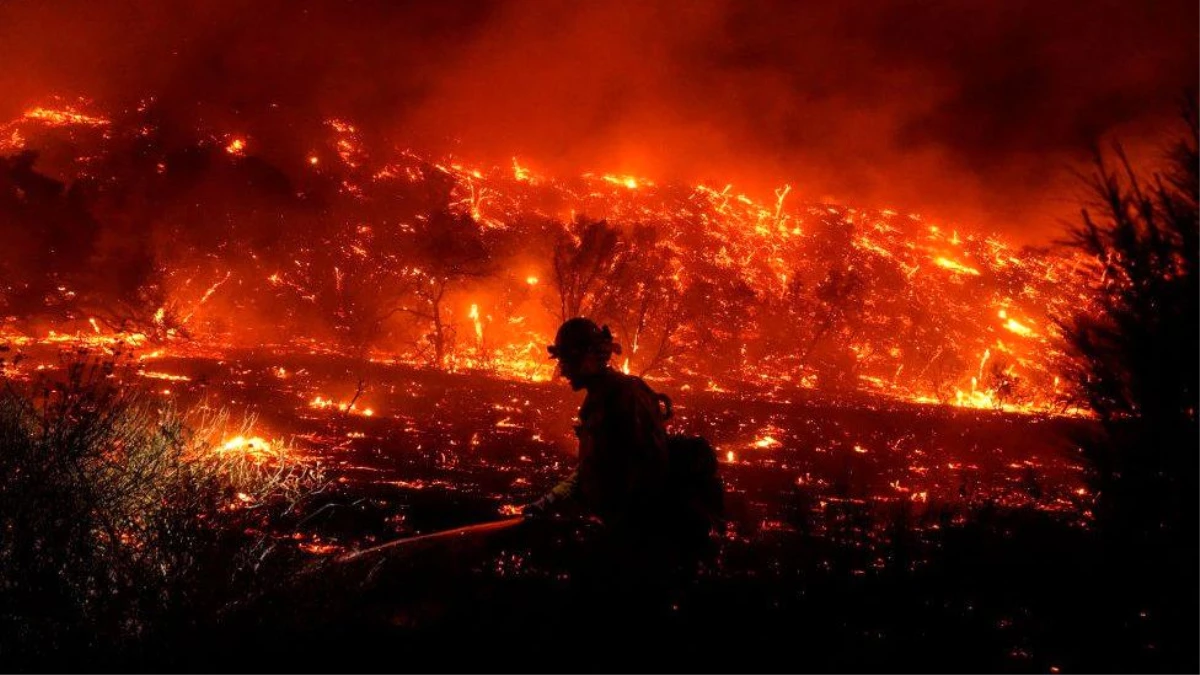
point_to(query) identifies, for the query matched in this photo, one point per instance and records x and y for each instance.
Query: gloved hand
(539, 509)
(534, 510)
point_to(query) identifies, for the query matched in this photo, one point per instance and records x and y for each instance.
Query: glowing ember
(164, 376)
(318, 548)
(64, 116)
(322, 403)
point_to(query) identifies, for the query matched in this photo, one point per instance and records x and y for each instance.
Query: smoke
(963, 112)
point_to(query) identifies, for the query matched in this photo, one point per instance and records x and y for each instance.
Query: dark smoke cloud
(959, 110)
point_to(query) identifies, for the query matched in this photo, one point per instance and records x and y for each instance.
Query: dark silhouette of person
(635, 565)
(623, 472)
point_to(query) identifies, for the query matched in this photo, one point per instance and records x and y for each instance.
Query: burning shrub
(121, 519)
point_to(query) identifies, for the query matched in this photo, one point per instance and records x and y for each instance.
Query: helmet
(578, 336)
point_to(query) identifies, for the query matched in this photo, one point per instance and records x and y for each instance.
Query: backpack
(695, 478)
(693, 474)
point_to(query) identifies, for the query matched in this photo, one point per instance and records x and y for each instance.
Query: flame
(474, 315)
(954, 266)
(520, 173)
(766, 442)
(1018, 328)
(630, 182)
(255, 448)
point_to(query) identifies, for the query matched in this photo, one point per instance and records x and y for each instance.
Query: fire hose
(443, 536)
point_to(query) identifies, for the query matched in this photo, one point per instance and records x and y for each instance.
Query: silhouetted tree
(841, 295)
(48, 236)
(448, 250)
(643, 301)
(587, 255)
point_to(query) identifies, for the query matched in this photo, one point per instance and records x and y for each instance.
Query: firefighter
(623, 472)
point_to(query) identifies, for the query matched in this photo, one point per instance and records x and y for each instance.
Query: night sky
(965, 111)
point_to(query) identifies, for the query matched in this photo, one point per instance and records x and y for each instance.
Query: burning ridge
(124, 228)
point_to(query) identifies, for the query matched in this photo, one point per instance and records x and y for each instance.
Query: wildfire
(864, 309)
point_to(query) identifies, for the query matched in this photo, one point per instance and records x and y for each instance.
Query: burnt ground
(864, 534)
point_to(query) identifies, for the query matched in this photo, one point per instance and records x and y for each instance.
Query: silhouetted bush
(124, 520)
(1136, 358)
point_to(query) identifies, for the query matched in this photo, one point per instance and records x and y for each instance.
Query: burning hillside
(121, 228)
